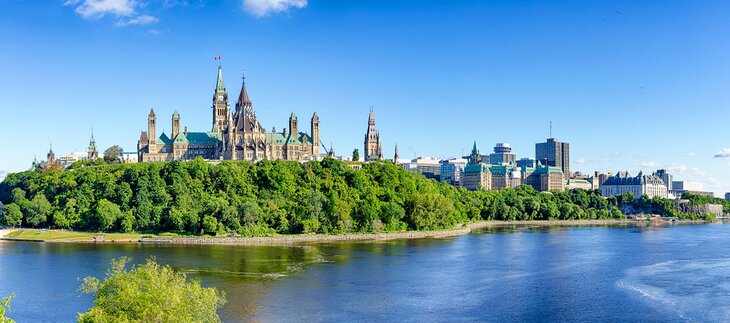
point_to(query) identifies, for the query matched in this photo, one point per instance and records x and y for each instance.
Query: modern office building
(525, 162)
(727, 196)
(554, 153)
(666, 177)
(502, 155)
(681, 187)
(427, 166)
(479, 175)
(451, 170)
(649, 185)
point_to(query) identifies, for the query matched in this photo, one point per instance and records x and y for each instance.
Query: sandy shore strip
(312, 238)
(4, 232)
(306, 238)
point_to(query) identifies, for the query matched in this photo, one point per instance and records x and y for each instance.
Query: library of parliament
(235, 135)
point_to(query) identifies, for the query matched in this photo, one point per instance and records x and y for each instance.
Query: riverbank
(86, 237)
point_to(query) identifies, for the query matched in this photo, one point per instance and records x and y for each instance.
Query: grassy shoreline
(56, 236)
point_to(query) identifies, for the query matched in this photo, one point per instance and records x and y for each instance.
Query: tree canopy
(5, 307)
(149, 293)
(272, 197)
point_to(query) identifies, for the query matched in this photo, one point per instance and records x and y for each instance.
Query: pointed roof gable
(243, 99)
(219, 82)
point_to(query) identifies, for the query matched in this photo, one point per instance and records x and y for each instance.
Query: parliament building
(234, 135)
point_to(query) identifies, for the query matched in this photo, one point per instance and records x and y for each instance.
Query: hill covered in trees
(270, 197)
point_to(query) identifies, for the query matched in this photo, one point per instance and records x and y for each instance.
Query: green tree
(210, 224)
(38, 210)
(355, 155)
(113, 154)
(11, 215)
(106, 215)
(149, 293)
(4, 308)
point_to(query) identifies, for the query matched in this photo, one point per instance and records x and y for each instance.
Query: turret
(293, 128)
(220, 103)
(151, 131)
(175, 124)
(315, 134)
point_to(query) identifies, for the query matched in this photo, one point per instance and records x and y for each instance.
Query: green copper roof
(164, 140)
(219, 84)
(476, 168)
(293, 116)
(276, 138)
(475, 150)
(203, 138)
(181, 138)
(175, 113)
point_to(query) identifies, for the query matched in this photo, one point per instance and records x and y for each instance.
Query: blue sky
(631, 85)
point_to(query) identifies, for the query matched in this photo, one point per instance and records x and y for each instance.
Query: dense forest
(272, 197)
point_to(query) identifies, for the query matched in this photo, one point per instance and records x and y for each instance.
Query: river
(516, 273)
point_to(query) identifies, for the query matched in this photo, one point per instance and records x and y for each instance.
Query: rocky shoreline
(306, 238)
(310, 238)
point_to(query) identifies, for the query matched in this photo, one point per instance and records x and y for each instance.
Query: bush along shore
(283, 198)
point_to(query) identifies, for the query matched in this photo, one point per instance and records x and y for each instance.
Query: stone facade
(234, 136)
(479, 175)
(372, 149)
(649, 185)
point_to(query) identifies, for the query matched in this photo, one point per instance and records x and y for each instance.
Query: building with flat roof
(555, 154)
(525, 162)
(451, 170)
(427, 166)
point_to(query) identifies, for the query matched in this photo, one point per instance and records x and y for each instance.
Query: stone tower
(315, 134)
(51, 157)
(175, 124)
(395, 156)
(293, 125)
(151, 131)
(92, 153)
(372, 149)
(220, 103)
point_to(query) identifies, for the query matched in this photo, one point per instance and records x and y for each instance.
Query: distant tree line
(274, 197)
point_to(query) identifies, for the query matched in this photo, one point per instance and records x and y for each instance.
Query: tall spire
(219, 83)
(243, 100)
(395, 157)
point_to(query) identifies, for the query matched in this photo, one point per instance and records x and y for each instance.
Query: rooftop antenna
(551, 129)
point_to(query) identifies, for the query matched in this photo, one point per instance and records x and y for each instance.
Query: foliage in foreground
(149, 293)
(270, 197)
(5, 307)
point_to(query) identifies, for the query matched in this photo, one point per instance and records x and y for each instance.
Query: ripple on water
(696, 290)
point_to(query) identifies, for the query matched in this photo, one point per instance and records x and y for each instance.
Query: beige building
(237, 136)
(649, 185)
(372, 149)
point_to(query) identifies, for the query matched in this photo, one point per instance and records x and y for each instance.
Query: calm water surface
(598, 273)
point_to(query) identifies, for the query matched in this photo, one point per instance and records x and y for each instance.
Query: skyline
(653, 77)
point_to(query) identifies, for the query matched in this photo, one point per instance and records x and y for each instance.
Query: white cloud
(698, 172)
(139, 20)
(725, 153)
(580, 161)
(680, 169)
(713, 182)
(651, 164)
(89, 9)
(691, 154)
(261, 8)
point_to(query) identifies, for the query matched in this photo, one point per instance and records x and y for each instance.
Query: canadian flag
(217, 58)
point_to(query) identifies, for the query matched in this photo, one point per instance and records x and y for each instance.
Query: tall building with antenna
(554, 153)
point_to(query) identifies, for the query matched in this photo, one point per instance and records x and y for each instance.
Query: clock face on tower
(220, 98)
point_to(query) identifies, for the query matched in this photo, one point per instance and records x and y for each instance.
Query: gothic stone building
(238, 135)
